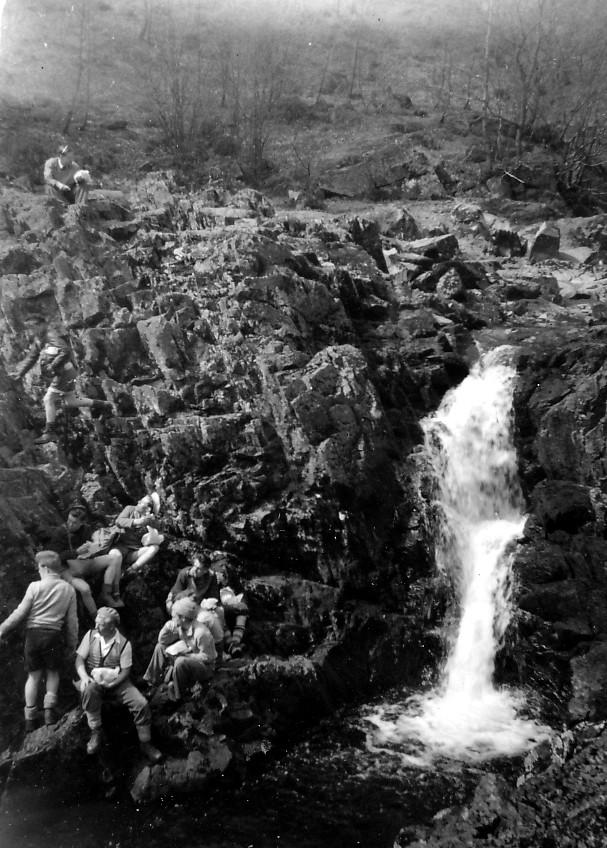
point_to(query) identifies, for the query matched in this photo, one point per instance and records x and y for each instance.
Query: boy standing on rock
(48, 606)
(51, 348)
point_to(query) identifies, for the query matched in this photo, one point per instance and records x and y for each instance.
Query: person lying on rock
(103, 662)
(134, 521)
(49, 610)
(195, 581)
(185, 650)
(51, 348)
(64, 179)
(72, 543)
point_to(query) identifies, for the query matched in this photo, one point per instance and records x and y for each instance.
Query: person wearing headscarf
(103, 662)
(134, 521)
(185, 649)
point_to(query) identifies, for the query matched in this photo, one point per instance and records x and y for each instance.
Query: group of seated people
(205, 623)
(85, 556)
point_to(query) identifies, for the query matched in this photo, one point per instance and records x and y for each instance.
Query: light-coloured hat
(186, 607)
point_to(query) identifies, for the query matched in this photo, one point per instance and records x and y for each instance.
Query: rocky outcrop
(267, 373)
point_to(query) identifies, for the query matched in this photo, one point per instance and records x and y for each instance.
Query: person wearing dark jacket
(52, 350)
(71, 541)
(195, 581)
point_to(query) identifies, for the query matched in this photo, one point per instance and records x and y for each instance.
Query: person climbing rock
(72, 542)
(185, 649)
(51, 348)
(49, 610)
(103, 663)
(64, 179)
(134, 521)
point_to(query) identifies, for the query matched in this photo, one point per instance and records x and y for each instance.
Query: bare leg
(76, 401)
(51, 399)
(32, 686)
(52, 687)
(83, 588)
(144, 555)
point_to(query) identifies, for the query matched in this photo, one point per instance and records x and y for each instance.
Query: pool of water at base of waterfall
(329, 791)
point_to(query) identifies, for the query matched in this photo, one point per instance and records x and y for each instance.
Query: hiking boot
(49, 434)
(150, 752)
(94, 743)
(50, 716)
(107, 599)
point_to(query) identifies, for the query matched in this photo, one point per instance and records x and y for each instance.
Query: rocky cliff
(267, 372)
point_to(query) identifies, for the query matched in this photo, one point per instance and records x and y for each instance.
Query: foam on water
(469, 448)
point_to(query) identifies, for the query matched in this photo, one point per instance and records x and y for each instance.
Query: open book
(177, 648)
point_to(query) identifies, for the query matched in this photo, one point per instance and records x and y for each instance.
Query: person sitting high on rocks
(133, 521)
(71, 542)
(103, 663)
(64, 179)
(51, 348)
(186, 647)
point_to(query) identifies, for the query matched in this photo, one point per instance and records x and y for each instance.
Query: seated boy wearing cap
(70, 540)
(103, 662)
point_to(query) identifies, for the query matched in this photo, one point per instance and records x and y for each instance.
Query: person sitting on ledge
(64, 179)
(103, 663)
(134, 521)
(71, 542)
(51, 348)
(49, 609)
(195, 581)
(185, 649)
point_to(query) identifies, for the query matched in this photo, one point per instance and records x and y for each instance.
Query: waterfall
(468, 446)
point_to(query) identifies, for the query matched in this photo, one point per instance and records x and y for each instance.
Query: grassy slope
(401, 50)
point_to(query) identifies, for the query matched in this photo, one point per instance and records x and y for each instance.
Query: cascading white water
(468, 443)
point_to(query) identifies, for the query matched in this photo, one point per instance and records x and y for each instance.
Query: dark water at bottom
(328, 791)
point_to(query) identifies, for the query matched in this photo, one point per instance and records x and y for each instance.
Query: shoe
(49, 434)
(30, 725)
(50, 716)
(107, 600)
(94, 743)
(150, 752)
(118, 602)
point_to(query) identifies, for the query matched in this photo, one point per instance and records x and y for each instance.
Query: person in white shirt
(103, 662)
(185, 646)
(64, 179)
(48, 608)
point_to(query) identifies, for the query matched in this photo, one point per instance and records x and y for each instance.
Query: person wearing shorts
(51, 348)
(48, 607)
